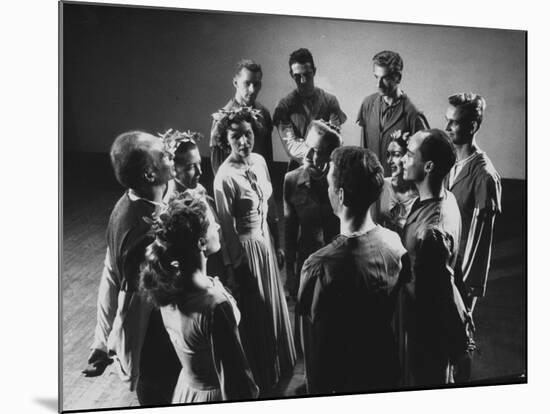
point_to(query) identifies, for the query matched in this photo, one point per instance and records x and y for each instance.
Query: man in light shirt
(476, 186)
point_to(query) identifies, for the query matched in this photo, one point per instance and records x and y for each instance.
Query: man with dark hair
(348, 288)
(389, 110)
(248, 83)
(436, 318)
(294, 113)
(475, 183)
(127, 326)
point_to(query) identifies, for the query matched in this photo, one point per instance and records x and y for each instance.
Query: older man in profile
(128, 328)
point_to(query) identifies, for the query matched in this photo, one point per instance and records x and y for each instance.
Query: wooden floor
(500, 316)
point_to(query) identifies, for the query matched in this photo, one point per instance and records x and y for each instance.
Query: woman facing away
(397, 197)
(200, 316)
(242, 190)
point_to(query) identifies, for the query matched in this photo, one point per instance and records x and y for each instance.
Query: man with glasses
(306, 103)
(436, 317)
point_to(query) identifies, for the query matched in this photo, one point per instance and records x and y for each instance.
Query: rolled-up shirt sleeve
(107, 303)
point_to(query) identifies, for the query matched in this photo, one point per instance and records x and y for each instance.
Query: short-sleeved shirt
(378, 121)
(347, 296)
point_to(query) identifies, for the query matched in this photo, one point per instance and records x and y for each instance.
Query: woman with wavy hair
(243, 194)
(397, 197)
(200, 316)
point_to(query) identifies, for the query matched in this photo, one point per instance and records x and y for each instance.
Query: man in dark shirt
(436, 318)
(294, 112)
(348, 288)
(248, 83)
(128, 327)
(388, 110)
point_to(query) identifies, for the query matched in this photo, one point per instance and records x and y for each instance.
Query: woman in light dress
(243, 194)
(200, 316)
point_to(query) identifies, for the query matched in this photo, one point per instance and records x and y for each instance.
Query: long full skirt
(265, 327)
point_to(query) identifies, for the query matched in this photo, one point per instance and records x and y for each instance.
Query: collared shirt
(459, 165)
(294, 113)
(378, 121)
(431, 235)
(346, 302)
(478, 192)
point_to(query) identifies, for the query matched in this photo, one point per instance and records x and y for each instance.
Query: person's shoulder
(231, 104)
(407, 101)
(370, 99)
(387, 237)
(224, 174)
(261, 107)
(257, 159)
(292, 176)
(330, 251)
(484, 166)
(287, 99)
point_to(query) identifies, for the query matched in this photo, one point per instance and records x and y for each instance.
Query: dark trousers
(159, 365)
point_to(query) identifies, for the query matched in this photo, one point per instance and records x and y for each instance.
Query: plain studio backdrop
(134, 68)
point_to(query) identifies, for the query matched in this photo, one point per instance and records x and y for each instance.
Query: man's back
(346, 301)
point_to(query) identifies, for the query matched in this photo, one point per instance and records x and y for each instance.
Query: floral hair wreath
(173, 138)
(401, 138)
(224, 117)
(159, 221)
(228, 115)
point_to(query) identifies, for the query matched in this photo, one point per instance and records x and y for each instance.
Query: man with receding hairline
(128, 328)
(436, 318)
(248, 83)
(389, 110)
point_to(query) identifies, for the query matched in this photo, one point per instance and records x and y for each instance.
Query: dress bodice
(190, 327)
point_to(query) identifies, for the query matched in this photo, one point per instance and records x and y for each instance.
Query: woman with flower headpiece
(243, 191)
(391, 211)
(397, 197)
(200, 316)
(188, 171)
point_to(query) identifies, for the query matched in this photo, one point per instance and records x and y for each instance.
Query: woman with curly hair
(200, 316)
(243, 192)
(397, 197)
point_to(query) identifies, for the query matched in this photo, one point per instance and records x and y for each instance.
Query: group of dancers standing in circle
(387, 247)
